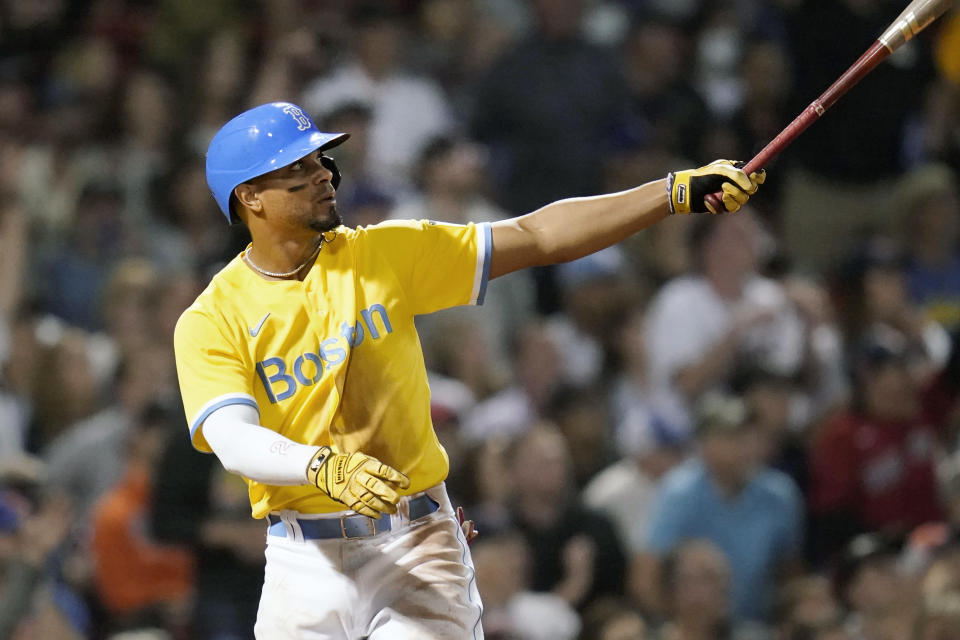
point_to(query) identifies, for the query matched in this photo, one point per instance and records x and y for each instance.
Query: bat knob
(715, 201)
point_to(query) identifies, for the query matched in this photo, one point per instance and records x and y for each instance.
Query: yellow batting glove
(359, 481)
(687, 189)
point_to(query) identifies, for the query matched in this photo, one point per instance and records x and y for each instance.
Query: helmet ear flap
(331, 165)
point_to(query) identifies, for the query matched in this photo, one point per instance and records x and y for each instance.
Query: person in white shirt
(702, 326)
(407, 110)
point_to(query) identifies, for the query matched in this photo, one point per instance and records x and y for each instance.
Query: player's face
(300, 195)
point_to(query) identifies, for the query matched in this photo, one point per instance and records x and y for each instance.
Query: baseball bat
(914, 19)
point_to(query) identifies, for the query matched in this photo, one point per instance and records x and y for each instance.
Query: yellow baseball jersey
(334, 359)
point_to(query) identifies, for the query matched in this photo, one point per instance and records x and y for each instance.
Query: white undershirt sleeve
(255, 452)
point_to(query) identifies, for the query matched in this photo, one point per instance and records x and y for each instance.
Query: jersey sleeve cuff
(482, 274)
(196, 432)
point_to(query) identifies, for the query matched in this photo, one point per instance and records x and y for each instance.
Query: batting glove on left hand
(359, 481)
(687, 189)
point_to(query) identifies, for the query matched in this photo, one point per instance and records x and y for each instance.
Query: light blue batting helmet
(258, 141)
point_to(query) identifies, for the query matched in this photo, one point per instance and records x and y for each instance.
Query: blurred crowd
(727, 428)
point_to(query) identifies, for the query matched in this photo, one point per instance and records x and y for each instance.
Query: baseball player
(300, 368)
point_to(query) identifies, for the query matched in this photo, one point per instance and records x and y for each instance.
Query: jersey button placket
(316, 302)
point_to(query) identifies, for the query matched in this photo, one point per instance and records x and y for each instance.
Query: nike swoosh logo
(256, 331)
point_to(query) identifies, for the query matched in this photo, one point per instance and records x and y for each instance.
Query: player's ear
(248, 196)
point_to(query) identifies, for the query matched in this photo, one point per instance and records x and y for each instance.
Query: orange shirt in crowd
(132, 571)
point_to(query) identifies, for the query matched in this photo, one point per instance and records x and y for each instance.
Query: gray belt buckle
(371, 524)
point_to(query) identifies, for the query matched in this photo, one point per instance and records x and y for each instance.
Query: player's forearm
(569, 229)
(253, 451)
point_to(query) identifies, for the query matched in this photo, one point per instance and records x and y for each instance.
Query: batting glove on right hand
(359, 481)
(687, 189)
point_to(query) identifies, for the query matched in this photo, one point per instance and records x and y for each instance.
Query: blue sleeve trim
(219, 405)
(487, 248)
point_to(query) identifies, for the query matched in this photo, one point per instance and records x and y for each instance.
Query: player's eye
(296, 166)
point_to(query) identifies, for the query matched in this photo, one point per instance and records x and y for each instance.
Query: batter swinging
(300, 368)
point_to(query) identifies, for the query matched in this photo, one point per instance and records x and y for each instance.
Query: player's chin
(327, 220)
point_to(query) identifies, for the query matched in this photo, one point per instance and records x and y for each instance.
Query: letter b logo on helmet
(303, 120)
(257, 142)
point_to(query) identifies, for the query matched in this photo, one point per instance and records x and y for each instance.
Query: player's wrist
(316, 466)
(672, 197)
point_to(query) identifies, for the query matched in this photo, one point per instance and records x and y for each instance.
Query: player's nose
(322, 174)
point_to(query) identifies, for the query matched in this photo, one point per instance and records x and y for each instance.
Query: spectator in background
(547, 142)
(70, 392)
(932, 550)
(407, 109)
(935, 133)
(74, 271)
(763, 111)
(174, 294)
(68, 152)
(626, 490)
(484, 484)
(928, 203)
(819, 212)
(356, 118)
(938, 618)
(127, 305)
(880, 600)
(702, 327)
(17, 98)
(769, 398)
(295, 49)
(576, 552)
(511, 611)
(719, 47)
(875, 297)
(766, 90)
(14, 258)
(532, 133)
(664, 110)
(184, 236)
(141, 583)
(582, 417)
(663, 254)
(804, 605)
(624, 625)
(632, 412)
(216, 85)
(941, 396)
(446, 43)
(614, 619)
(87, 458)
(461, 352)
(538, 375)
(596, 294)
(450, 177)
(696, 583)
(821, 385)
(830, 630)
(148, 117)
(941, 564)
(34, 601)
(19, 360)
(368, 206)
(714, 495)
(872, 466)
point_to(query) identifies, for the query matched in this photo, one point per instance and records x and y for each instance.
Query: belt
(348, 527)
